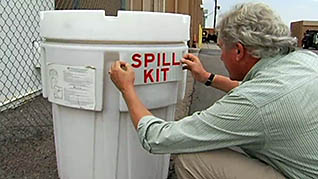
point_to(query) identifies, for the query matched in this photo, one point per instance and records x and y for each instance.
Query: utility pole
(215, 12)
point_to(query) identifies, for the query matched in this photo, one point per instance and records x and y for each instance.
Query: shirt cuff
(142, 129)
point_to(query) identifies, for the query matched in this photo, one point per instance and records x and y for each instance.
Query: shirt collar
(260, 65)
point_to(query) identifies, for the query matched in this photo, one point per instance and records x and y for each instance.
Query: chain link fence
(26, 135)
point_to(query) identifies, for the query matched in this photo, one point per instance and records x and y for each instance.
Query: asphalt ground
(203, 96)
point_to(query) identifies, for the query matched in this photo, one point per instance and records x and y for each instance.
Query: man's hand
(193, 64)
(122, 75)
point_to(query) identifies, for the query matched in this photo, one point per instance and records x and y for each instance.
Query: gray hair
(258, 28)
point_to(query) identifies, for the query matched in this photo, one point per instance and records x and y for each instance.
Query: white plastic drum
(94, 136)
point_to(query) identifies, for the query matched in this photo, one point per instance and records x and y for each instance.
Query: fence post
(76, 4)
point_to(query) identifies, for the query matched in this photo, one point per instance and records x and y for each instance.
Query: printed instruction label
(72, 86)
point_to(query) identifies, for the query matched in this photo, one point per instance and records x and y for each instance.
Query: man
(272, 114)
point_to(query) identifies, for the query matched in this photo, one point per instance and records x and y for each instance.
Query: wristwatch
(210, 79)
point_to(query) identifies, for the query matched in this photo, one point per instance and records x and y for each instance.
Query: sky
(289, 10)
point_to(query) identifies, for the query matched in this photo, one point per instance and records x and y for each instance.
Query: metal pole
(123, 5)
(76, 4)
(215, 9)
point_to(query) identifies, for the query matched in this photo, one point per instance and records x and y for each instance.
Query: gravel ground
(26, 142)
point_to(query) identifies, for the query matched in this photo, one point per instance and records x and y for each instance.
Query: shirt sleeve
(231, 121)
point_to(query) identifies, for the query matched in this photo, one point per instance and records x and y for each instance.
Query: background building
(299, 28)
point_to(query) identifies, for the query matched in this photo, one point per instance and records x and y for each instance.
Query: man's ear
(240, 51)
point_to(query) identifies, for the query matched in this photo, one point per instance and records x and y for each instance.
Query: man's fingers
(186, 61)
(123, 65)
(122, 62)
(191, 57)
(129, 67)
(185, 68)
(113, 65)
(118, 64)
(188, 56)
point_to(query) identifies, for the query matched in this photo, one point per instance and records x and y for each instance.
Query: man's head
(250, 32)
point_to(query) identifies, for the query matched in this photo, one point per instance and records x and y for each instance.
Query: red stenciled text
(162, 62)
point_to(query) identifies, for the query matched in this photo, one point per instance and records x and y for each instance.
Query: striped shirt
(272, 116)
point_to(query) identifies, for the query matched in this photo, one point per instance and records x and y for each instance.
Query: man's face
(229, 58)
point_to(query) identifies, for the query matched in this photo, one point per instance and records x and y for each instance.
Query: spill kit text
(162, 63)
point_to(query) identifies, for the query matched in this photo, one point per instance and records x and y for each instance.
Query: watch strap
(210, 79)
